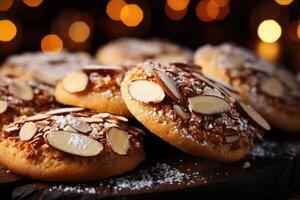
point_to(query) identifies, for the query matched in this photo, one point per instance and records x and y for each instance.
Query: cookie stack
(152, 81)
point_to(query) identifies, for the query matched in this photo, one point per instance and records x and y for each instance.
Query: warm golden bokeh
(131, 15)
(51, 44)
(174, 14)
(5, 4)
(223, 12)
(221, 3)
(79, 31)
(284, 2)
(298, 30)
(178, 4)
(269, 51)
(33, 3)
(269, 31)
(8, 30)
(212, 9)
(207, 10)
(113, 9)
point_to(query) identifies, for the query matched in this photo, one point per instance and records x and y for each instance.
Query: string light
(178, 4)
(269, 31)
(51, 44)
(269, 51)
(5, 5)
(174, 14)
(113, 9)
(8, 30)
(131, 15)
(284, 2)
(79, 31)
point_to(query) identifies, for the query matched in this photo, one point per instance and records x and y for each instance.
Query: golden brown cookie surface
(190, 111)
(95, 87)
(271, 89)
(69, 144)
(130, 51)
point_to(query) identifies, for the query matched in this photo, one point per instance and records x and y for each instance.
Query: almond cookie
(130, 51)
(19, 97)
(191, 111)
(48, 68)
(95, 87)
(71, 144)
(271, 89)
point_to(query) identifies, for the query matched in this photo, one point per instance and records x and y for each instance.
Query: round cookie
(271, 89)
(20, 97)
(48, 68)
(191, 112)
(130, 51)
(95, 87)
(71, 144)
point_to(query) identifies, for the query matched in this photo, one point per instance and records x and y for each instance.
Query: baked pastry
(71, 144)
(130, 51)
(190, 111)
(270, 89)
(94, 87)
(48, 68)
(20, 97)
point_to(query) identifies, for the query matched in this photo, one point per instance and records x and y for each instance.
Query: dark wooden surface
(274, 173)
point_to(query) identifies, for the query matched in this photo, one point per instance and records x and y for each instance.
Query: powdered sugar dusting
(79, 142)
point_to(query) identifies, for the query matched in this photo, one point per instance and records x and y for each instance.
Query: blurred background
(271, 28)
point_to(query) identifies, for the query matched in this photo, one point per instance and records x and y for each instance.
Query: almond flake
(75, 82)
(46, 76)
(101, 68)
(74, 143)
(78, 125)
(101, 115)
(118, 139)
(11, 129)
(146, 91)
(210, 91)
(208, 104)
(90, 119)
(22, 90)
(259, 67)
(167, 84)
(288, 79)
(148, 68)
(255, 116)
(272, 86)
(180, 111)
(3, 106)
(63, 110)
(232, 139)
(37, 117)
(27, 131)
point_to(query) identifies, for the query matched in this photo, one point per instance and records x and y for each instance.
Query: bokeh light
(5, 4)
(131, 15)
(79, 31)
(212, 9)
(33, 3)
(174, 14)
(8, 30)
(207, 10)
(223, 12)
(51, 44)
(113, 9)
(221, 3)
(298, 31)
(269, 31)
(284, 2)
(269, 51)
(178, 4)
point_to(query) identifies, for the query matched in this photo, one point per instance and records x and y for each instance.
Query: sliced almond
(146, 91)
(74, 143)
(46, 76)
(121, 118)
(148, 68)
(78, 125)
(27, 131)
(167, 84)
(232, 138)
(288, 79)
(22, 90)
(255, 116)
(75, 82)
(208, 104)
(101, 68)
(3, 106)
(180, 111)
(90, 119)
(118, 139)
(63, 110)
(37, 117)
(272, 86)
(210, 91)
(108, 115)
(259, 67)
(10, 129)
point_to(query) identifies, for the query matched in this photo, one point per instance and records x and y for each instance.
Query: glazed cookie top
(136, 50)
(21, 97)
(75, 131)
(95, 78)
(200, 108)
(49, 68)
(258, 77)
